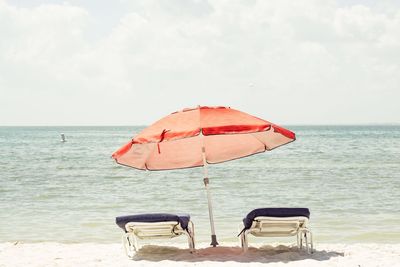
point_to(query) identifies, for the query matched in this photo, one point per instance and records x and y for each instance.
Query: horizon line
(145, 125)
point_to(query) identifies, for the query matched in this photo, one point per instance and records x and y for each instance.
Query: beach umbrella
(200, 136)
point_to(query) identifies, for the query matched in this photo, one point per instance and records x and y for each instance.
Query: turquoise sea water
(349, 177)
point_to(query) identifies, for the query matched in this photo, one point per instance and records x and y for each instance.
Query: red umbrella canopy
(179, 139)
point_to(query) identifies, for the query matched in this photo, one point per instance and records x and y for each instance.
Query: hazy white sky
(132, 62)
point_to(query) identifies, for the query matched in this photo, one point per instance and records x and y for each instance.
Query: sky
(126, 62)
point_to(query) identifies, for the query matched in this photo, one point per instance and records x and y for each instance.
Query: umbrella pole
(214, 242)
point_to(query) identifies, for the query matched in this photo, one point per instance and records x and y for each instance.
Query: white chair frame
(154, 230)
(277, 227)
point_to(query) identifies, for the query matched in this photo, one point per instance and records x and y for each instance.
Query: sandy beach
(91, 254)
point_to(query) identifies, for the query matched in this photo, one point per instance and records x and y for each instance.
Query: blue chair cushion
(183, 219)
(274, 212)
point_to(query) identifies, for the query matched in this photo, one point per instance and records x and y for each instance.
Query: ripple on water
(71, 192)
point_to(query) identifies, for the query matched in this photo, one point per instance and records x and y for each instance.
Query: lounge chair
(154, 225)
(276, 222)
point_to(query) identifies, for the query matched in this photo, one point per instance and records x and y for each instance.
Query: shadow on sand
(264, 254)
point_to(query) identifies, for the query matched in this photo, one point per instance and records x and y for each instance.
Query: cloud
(288, 61)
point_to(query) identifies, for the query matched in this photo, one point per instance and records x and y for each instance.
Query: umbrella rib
(265, 146)
(148, 156)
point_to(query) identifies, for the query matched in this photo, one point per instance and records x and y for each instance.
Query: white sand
(89, 254)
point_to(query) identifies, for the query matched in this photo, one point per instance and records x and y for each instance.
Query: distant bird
(63, 138)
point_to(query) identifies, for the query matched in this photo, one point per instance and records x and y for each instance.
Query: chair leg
(190, 234)
(190, 242)
(306, 241)
(130, 244)
(311, 242)
(301, 239)
(244, 241)
(193, 248)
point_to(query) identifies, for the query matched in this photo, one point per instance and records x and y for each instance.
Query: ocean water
(348, 176)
